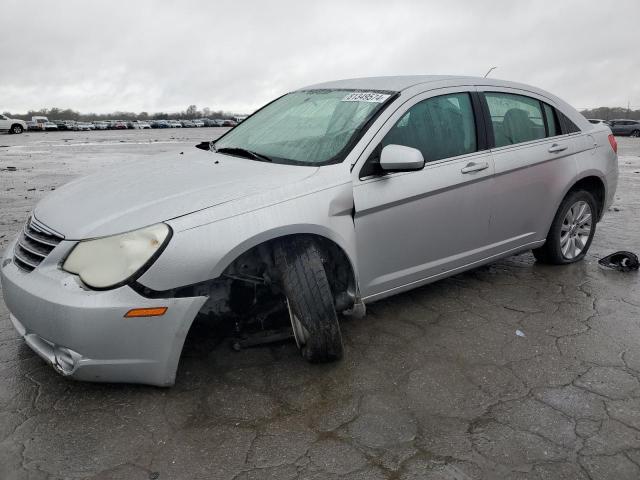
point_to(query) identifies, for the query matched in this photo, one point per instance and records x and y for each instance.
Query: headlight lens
(109, 261)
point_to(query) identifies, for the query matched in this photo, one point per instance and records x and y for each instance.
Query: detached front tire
(310, 300)
(572, 230)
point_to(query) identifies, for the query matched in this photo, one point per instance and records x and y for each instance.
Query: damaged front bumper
(84, 334)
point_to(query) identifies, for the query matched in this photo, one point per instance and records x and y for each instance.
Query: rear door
(411, 226)
(534, 162)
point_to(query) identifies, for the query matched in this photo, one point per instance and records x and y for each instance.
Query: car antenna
(489, 71)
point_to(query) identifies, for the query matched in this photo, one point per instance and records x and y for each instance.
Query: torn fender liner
(622, 261)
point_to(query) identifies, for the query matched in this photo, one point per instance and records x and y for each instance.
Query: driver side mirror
(396, 158)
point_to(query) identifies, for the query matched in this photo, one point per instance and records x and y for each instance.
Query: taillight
(613, 143)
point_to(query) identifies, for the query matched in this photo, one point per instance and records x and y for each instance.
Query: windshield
(307, 127)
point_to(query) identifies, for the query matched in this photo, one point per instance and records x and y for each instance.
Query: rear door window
(515, 118)
(440, 127)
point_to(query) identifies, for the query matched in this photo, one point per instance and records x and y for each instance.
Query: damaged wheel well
(256, 265)
(228, 293)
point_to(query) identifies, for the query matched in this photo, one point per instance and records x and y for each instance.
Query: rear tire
(16, 129)
(635, 133)
(571, 231)
(310, 300)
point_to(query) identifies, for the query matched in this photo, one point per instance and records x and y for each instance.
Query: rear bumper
(83, 333)
(611, 186)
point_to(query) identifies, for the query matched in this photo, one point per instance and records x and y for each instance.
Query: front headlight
(109, 261)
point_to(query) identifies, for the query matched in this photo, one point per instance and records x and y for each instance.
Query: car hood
(151, 191)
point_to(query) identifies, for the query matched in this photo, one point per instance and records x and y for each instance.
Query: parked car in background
(229, 123)
(85, 126)
(65, 124)
(140, 125)
(160, 124)
(624, 127)
(393, 183)
(198, 123)
(12, 125)
(119, 125)
(100, 125)
(217, 122)
(187, 123)
(596, 121)
(175, 124)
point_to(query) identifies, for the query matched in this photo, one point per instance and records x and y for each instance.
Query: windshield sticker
(372, 97)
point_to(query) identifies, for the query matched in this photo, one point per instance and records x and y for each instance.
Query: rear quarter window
(566, 124)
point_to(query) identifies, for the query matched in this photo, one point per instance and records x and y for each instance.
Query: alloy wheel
(300, 333)
(576, 229)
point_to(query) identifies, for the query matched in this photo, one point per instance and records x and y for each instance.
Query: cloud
(161, 55)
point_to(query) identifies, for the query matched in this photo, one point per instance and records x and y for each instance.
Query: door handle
(474, 167)
(557, 148)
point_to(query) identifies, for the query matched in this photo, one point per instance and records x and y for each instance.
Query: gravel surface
(435, 384)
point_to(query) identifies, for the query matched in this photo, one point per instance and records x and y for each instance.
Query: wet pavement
(435, 384)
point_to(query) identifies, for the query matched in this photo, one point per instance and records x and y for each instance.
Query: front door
(413, 226)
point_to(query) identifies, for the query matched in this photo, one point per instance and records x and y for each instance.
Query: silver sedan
(328, 198)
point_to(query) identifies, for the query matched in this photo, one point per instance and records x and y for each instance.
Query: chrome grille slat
(32, 249)
(22, 265)
(43, 248)
(36, 237)
(23, 259)
(34, 244)
(35, 223)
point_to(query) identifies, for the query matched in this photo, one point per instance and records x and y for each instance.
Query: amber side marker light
(146, 312)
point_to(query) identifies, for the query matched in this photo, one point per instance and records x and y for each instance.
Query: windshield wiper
(244, 153)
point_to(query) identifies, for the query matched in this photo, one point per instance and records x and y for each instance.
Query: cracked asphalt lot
(435, 383)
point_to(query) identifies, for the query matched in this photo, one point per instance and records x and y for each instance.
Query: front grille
(34, 244)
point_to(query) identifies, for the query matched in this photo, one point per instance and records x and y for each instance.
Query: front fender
(200, 253)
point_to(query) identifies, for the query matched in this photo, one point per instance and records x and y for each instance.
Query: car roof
(414, 84)
(400, 83)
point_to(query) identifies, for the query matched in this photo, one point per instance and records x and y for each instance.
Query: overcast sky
(164, 55)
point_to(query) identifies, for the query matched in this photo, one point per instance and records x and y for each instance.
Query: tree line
(68, 114)
(608, 113)
(604, 113)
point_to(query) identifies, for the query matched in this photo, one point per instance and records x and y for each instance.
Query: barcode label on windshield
(372, 97)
